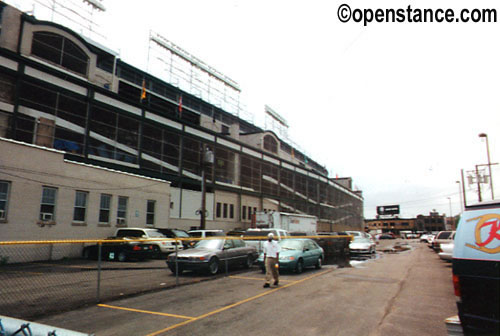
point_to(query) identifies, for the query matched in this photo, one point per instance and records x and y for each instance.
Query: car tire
(122, 256)
(179, 269)
(248, 261)
(156, 252)
(319, 263)
(213, 266)
(300, 266)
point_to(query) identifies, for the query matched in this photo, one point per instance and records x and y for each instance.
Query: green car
(296, 254)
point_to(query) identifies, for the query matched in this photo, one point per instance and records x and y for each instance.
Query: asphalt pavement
(394, 293)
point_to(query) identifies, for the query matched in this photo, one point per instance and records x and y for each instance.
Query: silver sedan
(211, 254)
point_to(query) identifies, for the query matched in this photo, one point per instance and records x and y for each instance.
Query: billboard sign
(388, 210)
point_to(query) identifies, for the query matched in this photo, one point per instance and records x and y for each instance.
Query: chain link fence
(40, 278)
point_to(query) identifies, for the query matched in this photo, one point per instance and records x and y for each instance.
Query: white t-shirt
(271, 248)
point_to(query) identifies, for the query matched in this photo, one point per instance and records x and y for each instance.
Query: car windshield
(156, 234)
(211, 244)
(360, 240)
(444, 235)
(290, 244)
(181, 234)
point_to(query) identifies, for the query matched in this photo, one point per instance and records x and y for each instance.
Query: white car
(362, 245)
(446, 251)
(161, 244)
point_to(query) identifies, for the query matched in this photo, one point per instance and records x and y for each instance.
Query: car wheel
(319, 263)
(300, 266)
(213, 266)
(156, 252)
(122, 257)
(179, 269)
(248, 262)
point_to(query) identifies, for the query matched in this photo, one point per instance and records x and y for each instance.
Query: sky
(396, 106)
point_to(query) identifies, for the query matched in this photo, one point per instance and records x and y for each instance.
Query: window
(150, 212)
(4, 198)
(238, 243)
(231, 210)
(224, 214)
(105, 209)
(244, 212)
(121, 214)
(48, 204)
(80, 206)
(270, 144)
(218, 210)
(59, 50)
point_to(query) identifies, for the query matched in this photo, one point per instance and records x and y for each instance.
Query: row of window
(61, 51)
(390, 224)
(48, 205)
(112, 135)
(225, 210)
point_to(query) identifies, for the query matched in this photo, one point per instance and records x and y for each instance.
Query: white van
(476, 269)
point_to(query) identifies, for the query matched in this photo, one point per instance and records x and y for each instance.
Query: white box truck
(287, 221)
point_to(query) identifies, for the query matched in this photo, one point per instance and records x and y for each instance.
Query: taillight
(456, 285)
(136, 248)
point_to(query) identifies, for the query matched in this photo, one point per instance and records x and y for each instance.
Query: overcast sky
(396, 106)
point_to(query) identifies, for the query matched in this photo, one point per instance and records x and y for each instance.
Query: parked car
(386, 236)
(212, 254)
(430, 239)
(257, 237)
(177, 233)
(202, 234)
(297, 254)
(120, 250)
(359, 234)
(442, 238)
(161, 244)
(426, 237)
(362, 245)
(476, 265)
(446, 251)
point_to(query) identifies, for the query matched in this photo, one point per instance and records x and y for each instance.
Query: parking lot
(407, 293)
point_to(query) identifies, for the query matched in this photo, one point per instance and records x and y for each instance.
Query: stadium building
(81, 111)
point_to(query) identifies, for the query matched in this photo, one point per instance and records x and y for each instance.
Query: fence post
(99, 249)
(176, 265)
(225, 256)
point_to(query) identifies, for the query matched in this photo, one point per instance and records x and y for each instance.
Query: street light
(484, 135)
(460, 193)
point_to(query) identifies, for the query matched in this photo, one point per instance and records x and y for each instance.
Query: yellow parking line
(251, 278)
(266, 292)
(146, 312)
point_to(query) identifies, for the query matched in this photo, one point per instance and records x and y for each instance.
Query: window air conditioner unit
(120, 221)
(47, 216)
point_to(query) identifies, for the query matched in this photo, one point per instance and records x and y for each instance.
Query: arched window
(59, 50)
(270, 144)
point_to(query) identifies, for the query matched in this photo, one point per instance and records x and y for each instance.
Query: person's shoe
(266, 285)
(276, 283)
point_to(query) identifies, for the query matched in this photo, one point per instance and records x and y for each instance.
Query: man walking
(271, 260)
